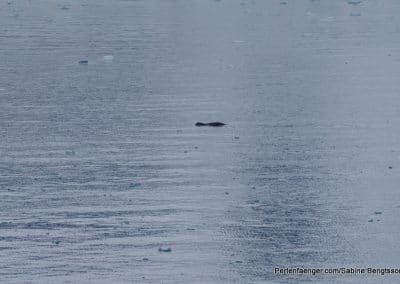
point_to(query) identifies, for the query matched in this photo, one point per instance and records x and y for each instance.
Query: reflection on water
(101, 164)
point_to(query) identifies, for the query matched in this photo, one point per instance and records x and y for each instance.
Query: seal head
(213, 124)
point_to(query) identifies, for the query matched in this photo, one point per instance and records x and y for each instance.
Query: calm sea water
(101, 164)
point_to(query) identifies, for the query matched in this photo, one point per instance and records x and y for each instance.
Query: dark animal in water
(214, 124)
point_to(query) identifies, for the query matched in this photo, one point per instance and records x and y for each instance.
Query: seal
(213, 124)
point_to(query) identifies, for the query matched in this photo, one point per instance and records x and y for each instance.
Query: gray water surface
(101, 164)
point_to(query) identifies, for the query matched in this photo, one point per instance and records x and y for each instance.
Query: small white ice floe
(355, 14)
(161, 249)
(108, 58)
(354, 2)
(135, 184)
(327, 19)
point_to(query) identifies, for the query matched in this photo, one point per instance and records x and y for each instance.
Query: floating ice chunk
(108, 58)
(161, 249)
(70, 152)
(354, 2)
(355, 14)
(327, 19)
(135, 184)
